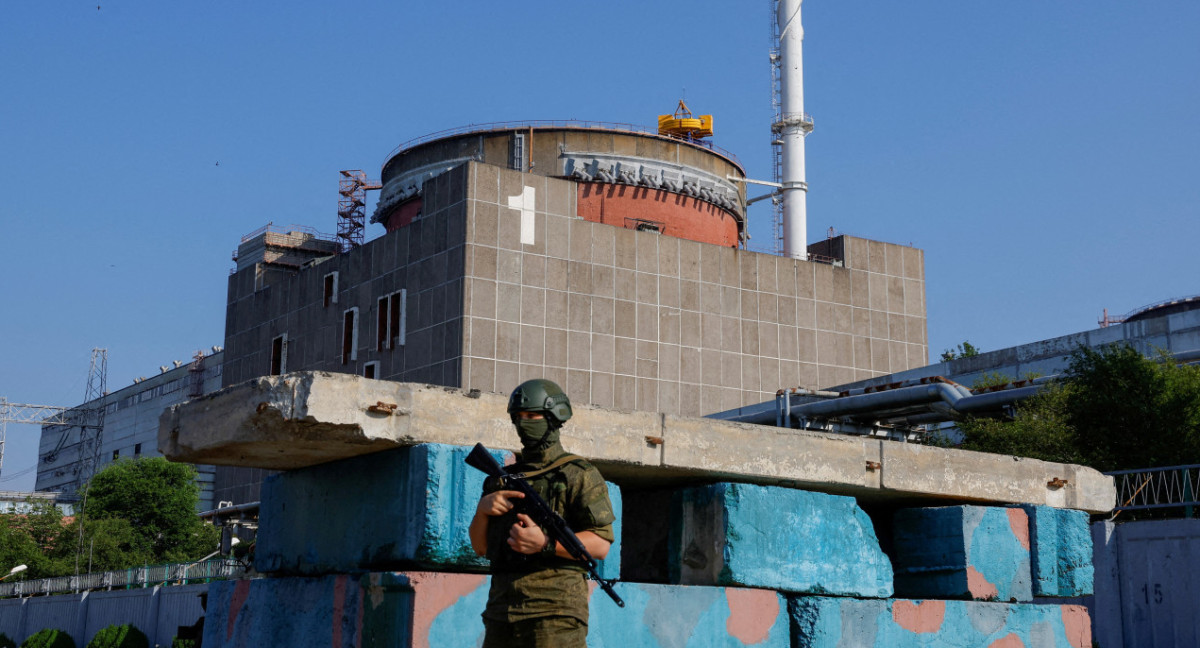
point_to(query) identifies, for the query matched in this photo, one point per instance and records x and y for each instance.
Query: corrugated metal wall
(156, 611)
(1147, 579)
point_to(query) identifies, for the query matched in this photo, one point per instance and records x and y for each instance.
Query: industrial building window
(381, 324)
(516, 152)
(391, 320)
(279, 355)
(137, 450)
(116, 453)
(350, 335)
(371, 370)
(330, 289)
(399, 317)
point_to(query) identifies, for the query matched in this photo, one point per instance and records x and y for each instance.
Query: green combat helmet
(540, 395)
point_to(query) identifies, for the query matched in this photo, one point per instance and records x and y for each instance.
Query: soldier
(539, 596)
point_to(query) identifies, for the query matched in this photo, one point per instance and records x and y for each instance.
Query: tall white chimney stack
(793, 126)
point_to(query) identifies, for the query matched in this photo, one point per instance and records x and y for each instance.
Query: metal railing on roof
(1157, 488)
(288, 229)
(1159, 304)
(134, 577)
(488, 127)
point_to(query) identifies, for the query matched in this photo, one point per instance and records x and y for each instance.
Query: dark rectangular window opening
(330, 290)
(349, 335)
(137, 449)
(382, 334)
(279, 355)
(516, 152)
(116, 453)
(396, 319)
(371, 370)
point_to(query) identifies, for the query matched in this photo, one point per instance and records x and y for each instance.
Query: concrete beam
(308, 418)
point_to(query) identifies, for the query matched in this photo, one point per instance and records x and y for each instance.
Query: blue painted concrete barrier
(398, 508)
(819, 622)
(432, 609)
(1061, 547)
(297, 612)
(972, 552)
(776, 538)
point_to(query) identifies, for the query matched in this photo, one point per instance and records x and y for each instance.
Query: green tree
(1039, 430)
(964, 350)
(1131, 411)
(119, 636)
(158, 499)
(30, 538)
(48, 638)
(1112, 409)
(108, 544)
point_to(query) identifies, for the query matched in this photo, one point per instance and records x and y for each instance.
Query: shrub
(48, 638)
(119, 636)
(5, 642)
(183, 643)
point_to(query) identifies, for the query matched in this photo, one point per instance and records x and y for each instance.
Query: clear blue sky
(1043, 154)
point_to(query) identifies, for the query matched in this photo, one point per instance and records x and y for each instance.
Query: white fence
(134, 577)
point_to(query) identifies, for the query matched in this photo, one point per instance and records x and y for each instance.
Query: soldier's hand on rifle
(526, 536)
(498, 503)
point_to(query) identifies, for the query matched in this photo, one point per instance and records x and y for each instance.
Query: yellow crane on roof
(683, 125)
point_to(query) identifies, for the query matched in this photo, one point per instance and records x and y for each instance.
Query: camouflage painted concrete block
(776, 538)
(819, 622)
(1061, 547)
(970, 552)
(387, 510)
(435, 609)
(295, 612)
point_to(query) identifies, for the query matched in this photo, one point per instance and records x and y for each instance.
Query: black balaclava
(539, 438)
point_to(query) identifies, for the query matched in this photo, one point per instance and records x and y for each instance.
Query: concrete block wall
(425, 609)
(819, 622)
(749, 565)
(776, 538)
(973, 552)
(404, 507)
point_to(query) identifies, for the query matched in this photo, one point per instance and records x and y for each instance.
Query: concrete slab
(972, 552)
(819, 622)
(308, 418)
(984, 477)
(776, 538)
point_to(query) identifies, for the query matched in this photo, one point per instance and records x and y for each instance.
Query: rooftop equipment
(683, 125)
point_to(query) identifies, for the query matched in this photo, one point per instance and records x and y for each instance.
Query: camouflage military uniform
(542, 600)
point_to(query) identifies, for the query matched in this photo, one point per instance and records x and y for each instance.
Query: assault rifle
(536, 508)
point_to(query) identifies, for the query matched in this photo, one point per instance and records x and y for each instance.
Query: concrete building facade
(130, 428)
(490, 276)
(1174, 329)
